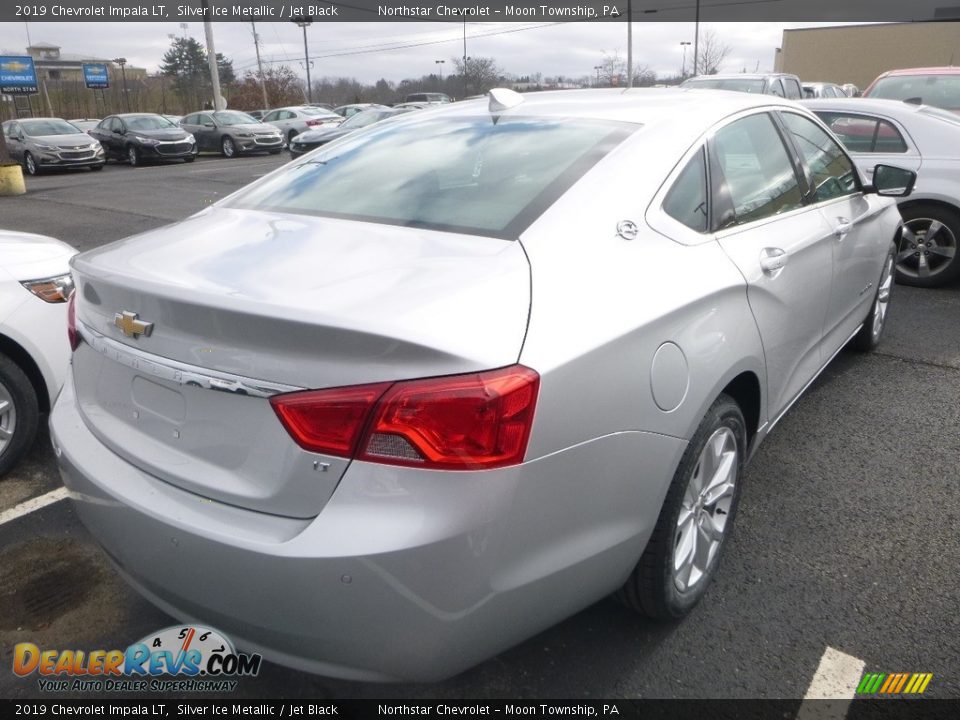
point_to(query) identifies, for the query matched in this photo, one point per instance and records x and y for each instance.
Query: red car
(937, 86)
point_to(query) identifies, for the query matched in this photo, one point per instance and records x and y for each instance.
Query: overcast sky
(568, 49)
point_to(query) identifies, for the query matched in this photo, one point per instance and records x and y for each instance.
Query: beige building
(859, 53)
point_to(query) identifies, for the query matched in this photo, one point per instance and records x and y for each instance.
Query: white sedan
(926, 140)
(35, 284)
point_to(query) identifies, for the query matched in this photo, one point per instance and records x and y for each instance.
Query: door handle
(843, 227)
(773, 259)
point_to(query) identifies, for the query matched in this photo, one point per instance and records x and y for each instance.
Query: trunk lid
(244, 301)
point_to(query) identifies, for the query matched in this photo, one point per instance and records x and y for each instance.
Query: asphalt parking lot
(846, 536)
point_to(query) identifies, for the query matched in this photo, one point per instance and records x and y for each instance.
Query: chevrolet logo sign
(131, 326)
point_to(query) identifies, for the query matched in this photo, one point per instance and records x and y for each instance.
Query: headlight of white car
(51, 290)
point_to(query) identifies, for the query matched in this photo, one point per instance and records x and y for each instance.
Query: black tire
(30, 165)
(190, 158)
(872, 331)
(15, 385)
(653, 587)
(291, 135)
(923, 261)
(228, 147)
(133, 156)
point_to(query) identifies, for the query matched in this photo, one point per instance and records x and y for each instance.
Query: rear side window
(776, 88)
(460, 174)
(756, 175)
(687, 200)
(864, 134)
(792, 88)
(832, 172)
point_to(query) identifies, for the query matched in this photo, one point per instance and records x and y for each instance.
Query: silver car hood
(312, 302)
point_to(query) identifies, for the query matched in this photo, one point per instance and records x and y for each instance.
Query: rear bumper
(404, 575)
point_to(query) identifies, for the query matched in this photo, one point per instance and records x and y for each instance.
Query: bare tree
(612, 68)
(481, 73)
(712, 53)
(644, 77)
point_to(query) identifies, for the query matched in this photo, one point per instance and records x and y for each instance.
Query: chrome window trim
(179, 372)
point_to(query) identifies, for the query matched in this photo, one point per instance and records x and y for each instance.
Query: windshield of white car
(941, 91)
(463, 174)
(41, 128)
(232, 117)
(148, 122)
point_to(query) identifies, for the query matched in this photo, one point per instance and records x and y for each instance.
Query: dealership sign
(95, 76)
(17, 75)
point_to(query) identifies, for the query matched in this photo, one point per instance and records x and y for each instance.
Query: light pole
(683, 65)
(440, 63)
(305, 21)
(598, 68)
(122, 62)
(464, 59)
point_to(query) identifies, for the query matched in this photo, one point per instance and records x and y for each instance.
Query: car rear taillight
(72, 335)
(328, 421)
(461, 422)
(312, 123)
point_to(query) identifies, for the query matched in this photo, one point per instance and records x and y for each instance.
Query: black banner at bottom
(893, 709)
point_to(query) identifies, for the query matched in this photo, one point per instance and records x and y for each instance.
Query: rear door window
(864, 133)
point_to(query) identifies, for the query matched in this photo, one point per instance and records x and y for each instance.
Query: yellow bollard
(11, 180)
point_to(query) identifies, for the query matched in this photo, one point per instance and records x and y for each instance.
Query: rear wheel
(228, 147)
(869, 336)
(290, 136)
(19, 414)
(927, 253)
(133, 156)
(683, 553)
(30, 165)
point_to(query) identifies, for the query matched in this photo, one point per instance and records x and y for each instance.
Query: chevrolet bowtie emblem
(131, 327)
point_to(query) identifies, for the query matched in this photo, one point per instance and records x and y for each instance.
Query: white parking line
(836, 678)
(28, 506)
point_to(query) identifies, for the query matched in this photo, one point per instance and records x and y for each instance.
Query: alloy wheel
(132, 156)
(882, 303)
(30, 163)
(8, 417)
(705, 509)
(927, 248)
(229, 149)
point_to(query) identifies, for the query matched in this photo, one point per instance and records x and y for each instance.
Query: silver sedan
(437, 386)
(927, 140)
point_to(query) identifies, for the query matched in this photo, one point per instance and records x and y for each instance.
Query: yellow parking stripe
(926, 681)
(914, 681)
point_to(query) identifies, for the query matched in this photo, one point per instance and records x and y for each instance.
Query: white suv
(35, 285)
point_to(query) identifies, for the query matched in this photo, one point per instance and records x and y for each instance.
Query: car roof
(877, 106)
(742, 76)
(942, 70)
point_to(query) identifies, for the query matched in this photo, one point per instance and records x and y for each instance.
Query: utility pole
(440, 63)
(629, 43)
(263, 82)
(218, 103)
(696, 42)
(305, 21)
(122, 62)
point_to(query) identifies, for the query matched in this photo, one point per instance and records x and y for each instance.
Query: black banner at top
(480, 10)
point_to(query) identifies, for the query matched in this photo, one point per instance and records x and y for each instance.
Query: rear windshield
(738, 84)
(462, 174)
(318, 112)
(941, 91)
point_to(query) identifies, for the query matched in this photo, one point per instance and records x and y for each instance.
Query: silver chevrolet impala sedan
(440, 384)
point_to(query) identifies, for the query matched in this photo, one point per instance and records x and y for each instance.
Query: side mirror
(891, 181)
